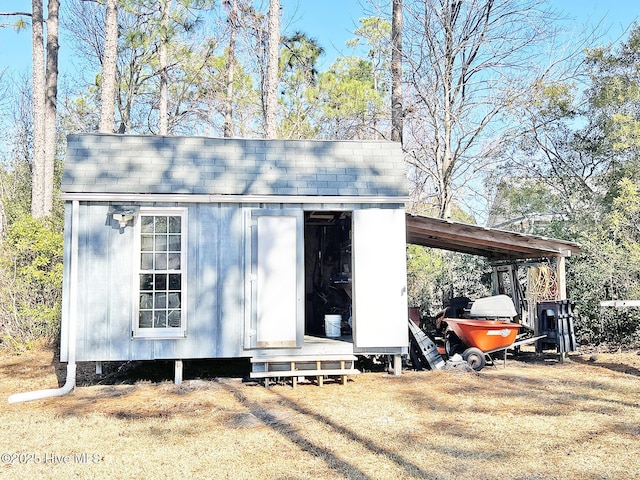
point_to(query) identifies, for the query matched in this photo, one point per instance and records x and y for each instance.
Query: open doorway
(328, 273)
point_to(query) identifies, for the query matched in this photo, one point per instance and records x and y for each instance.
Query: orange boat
(487, 335)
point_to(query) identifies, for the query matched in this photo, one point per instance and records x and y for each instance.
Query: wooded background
(503, 114)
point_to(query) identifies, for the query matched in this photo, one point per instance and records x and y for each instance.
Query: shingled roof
(131, 164)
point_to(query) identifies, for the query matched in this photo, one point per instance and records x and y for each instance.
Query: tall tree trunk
(396, 72)
(51, 99)
(271, 82)
(108, 91)
(165, 7)
(451, 13)
(231, 60)
(39, 139)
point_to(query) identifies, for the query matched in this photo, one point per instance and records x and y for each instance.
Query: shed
(185, 248)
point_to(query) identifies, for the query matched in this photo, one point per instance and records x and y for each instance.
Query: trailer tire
(475, 358)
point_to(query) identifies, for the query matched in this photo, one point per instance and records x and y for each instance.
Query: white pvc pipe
(70, 382)
(52, 392)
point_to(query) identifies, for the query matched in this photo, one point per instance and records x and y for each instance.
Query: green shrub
(31, 292)
(609, 269)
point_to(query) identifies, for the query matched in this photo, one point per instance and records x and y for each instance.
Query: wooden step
(304, 358)
(297, 366)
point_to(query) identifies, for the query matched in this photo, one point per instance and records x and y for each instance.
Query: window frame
(160, 332)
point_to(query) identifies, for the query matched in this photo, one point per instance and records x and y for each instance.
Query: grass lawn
(534, 419)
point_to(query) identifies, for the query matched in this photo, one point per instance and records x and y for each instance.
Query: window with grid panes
(161, 273)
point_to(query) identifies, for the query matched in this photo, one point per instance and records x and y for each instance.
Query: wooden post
(294, 379)
(562, 278)
(495, 280)
(397, 365)
(98, 368)
(562, 290)
(178, 372)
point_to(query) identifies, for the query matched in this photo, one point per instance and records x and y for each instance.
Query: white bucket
(332, 325)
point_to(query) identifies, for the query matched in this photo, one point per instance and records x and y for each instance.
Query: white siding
(107, 267)
(222, 309)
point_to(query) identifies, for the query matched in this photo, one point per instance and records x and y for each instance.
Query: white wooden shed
(184, 248)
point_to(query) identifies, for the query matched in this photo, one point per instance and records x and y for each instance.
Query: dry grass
(532, 420)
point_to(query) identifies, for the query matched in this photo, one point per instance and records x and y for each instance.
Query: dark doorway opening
(328, 272)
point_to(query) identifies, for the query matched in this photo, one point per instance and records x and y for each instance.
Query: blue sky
(331, 23)
(317, 18)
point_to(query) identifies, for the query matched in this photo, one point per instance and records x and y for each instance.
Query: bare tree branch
(471, 65)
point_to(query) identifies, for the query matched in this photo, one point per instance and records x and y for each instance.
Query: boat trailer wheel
(475, 358)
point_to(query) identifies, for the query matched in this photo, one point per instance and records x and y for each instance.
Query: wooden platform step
(298, 366)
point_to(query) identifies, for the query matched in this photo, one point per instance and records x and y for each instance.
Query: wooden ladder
(298, 366)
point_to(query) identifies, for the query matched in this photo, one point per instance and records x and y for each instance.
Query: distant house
(184, 248)
(503, 216)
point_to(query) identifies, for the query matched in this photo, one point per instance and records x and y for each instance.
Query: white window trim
(166, 332)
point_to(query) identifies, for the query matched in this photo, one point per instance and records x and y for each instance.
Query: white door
(380, 278)
(277, 280)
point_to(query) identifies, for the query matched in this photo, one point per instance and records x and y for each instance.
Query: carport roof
(487, 242)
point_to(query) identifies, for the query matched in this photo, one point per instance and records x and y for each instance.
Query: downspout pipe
(70, 382)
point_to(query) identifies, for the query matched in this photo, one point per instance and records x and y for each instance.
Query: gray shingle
(99, 163)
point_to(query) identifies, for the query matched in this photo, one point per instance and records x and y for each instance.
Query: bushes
(620, 327)
(609, 269)
(31, 272)
(434, 276)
